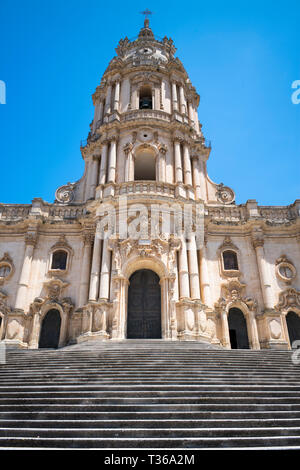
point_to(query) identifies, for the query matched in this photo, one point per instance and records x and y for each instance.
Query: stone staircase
(149, 394)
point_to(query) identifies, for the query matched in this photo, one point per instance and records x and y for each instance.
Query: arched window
(145, 97)
(145, 165)
(59, 260)
(230, 260)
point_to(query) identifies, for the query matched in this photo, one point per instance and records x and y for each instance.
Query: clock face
(145, 50)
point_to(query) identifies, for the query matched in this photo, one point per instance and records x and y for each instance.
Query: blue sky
(242, 57)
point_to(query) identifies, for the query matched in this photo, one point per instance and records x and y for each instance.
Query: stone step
(129, 394)
(151, 381)
(91, 401)
(142, 433)
(154, 407)
(149, 443)
(252, 424)
(208, 389)
(153, 394)
(148, 415)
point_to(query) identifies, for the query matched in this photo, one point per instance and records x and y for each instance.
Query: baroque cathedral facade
(145, 244)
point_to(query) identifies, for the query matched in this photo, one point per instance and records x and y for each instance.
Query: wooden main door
(144, 306)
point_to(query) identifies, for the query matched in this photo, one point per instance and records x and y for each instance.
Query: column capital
(88, 237)
(113, 138)
(162, 148)
(257, 238)
(177, 139)
(31, 239)
(128, 148)
(258, 242)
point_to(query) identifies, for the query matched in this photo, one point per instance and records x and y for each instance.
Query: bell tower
(145, 98)
(145, 164)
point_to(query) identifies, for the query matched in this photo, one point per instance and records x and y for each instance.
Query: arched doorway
(144, 306)
(237, 329)
(293, 325)
(50, 330)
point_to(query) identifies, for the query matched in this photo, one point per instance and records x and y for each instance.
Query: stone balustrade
(223, 214)
(148, 187)
(68, 212)
(139, 114)
(14, 212)
(278, 215)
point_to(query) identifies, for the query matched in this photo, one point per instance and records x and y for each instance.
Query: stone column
(161, 101)
(112, 161)
(202, 178)
(35, 329)
(153, 97)
(101, 109)
(264, 275)
(128, 163)
(96, 117)
(165, 323)
(103, 164)
(187, 165)
(105, 271)
(191, 112)
(225, 330)
(108, 100)
(117, 96)
(196, 176)
(174, 97)
(95, 271)
(253, 330)
(162, 164)
(193, 269)
(178, 164)
(93, 180)
(88, 239)
(182, 100)
(21, 298)
(184, 284)
(169, 166)
(204, 276)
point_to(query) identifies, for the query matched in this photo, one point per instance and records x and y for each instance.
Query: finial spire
(147, 13)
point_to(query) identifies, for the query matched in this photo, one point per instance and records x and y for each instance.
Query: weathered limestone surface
(197, 290)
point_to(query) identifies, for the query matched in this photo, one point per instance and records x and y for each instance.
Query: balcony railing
(145, 114)
(146, 187)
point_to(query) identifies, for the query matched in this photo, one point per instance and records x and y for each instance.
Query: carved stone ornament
(65, 194)
(285, 270)
(128, 147)
(54, 288)
(233, 292)
(3, 303)
(61, 243)
(289, 298)
(225, 195)
(6, 268)
(162, 148)
(275, 329)
(66, 303)
(157, 247)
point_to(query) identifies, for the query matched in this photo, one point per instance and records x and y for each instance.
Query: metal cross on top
(147, 13)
